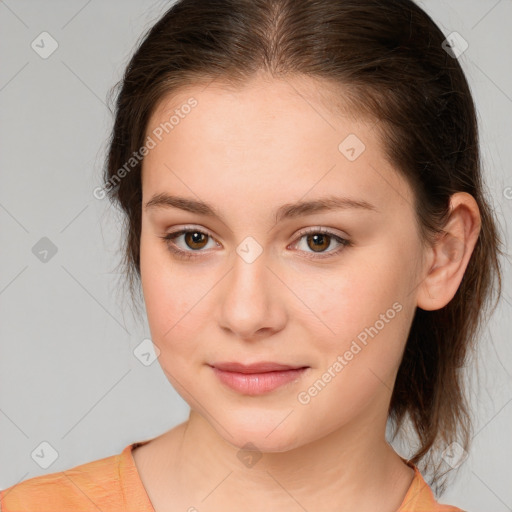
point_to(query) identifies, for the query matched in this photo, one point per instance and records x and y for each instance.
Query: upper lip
(261, 367)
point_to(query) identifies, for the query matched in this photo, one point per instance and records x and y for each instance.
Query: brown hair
(389, 57)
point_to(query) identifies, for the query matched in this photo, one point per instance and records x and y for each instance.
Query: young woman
(305, 214)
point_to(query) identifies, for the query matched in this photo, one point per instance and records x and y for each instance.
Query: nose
(251, 300)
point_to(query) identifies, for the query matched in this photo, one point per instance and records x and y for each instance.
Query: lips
(260, 367)
(257, 378)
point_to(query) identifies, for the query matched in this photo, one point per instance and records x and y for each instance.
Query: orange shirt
(112, 484)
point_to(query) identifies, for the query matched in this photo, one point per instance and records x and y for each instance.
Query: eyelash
(186, 255)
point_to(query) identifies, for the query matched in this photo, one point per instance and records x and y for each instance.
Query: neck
(352, 468)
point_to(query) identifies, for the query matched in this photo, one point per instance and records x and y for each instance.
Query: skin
(247, 152)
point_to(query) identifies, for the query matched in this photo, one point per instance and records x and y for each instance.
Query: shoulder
(420, 498)
(82, 488)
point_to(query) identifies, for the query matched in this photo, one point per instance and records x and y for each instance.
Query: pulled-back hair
(389, 60)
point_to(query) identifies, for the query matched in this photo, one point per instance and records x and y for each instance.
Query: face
(264, 277)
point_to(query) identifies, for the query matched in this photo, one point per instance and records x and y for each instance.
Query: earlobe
(450, 254)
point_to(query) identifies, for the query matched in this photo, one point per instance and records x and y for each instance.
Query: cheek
(365, 310)
(352, 298)
(170, 296)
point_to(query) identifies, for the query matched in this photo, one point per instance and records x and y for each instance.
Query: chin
(267, 436)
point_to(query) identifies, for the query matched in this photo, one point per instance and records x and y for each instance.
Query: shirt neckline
(136, 498)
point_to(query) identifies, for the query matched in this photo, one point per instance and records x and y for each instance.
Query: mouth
(257, 378)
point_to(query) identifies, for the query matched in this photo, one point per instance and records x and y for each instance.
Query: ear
(449, 255)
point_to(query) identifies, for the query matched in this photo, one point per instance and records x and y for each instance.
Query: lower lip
(258, 383)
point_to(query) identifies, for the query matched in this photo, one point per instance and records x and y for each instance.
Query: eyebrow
(286, 211)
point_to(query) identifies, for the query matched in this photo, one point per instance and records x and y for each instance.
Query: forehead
(277, 138)
(259, 100)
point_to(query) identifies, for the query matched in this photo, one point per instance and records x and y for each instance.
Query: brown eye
(195, 239)
(318, 242)
(188, 243)
(321, 243)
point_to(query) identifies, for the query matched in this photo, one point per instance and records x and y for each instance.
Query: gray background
(68, 375)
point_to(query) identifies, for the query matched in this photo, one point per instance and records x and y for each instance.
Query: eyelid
(320, 229)
(191, 227)
(341, 238)
(183, 230)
